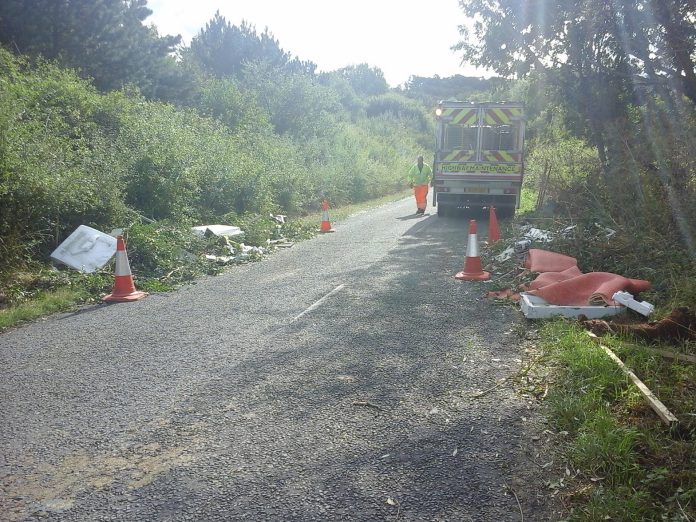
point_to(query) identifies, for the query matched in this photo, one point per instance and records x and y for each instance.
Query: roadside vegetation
(235, 129)
(623, 463)
(610, 92)
(614, 457)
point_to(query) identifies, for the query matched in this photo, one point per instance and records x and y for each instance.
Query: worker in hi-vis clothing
(419, 176)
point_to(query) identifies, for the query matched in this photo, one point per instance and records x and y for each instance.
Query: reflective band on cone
(493, 228)
(325, 221)
(472, 265)
(124, 288)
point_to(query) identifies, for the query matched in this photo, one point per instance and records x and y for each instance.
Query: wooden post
(655, 403)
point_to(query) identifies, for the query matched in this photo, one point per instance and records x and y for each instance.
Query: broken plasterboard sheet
(218, 230)
(86, 249)
(534, 307)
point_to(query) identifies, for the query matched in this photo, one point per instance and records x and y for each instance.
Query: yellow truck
(479, 156)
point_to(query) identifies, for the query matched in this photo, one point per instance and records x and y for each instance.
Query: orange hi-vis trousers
(421, 193)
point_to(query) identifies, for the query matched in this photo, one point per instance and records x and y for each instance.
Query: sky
(402, 37)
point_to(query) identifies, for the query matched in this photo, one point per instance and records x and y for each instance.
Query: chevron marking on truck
(499, 155)
(465, 117)
(460, 155)
(501, 116)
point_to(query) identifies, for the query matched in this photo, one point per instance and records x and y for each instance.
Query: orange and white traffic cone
(325, 222)
(124, 288)
(493, 228)
(472, 266)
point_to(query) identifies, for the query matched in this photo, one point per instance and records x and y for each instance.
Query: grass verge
(626, 464)
(44, 303)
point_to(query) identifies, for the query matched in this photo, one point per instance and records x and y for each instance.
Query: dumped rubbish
(220, 259)
(217, 230)
(536, 234)
(281, 243)
(535, 307)
(561, 289)
(238, 253)
(522, 246)
(538, 260)
(572, 287)
(626, 299)
(86, 249)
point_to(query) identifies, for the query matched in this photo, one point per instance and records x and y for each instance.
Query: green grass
(43, 304)
(629, 465)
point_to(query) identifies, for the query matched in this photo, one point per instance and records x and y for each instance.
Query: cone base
(467, 276)
(117, 298)
(323, 231)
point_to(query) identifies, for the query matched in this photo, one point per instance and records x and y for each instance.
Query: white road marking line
(316, 305)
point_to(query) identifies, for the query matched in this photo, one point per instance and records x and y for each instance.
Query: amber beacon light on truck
(478, 156)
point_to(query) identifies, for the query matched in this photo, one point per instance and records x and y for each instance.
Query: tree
(365, 80)
(652, 40)
(624, 75)
(103, 39)
(223, 49)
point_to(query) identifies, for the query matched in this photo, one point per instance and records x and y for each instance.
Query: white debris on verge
(218, 230)
(86, 249)
(536, 234)
(241, 253)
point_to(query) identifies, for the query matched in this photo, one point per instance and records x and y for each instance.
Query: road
(332, 381)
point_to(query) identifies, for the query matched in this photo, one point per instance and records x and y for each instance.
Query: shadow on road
(368, 412)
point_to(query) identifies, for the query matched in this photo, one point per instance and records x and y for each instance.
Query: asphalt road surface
(335, 380)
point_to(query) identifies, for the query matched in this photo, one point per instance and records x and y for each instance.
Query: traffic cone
(472, 266)
(325, 222)
(493, 228)
(124, 288)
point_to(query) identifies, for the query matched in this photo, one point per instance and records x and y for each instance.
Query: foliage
(597, 45)
(561, 165)
(43, 304)
(628, 465)
(58, 168)
(610, 101)
(224, 50)
(365, 80)
(104, 39)
(401, 107)
(457, 87)
(295, 103)
(257, 144)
